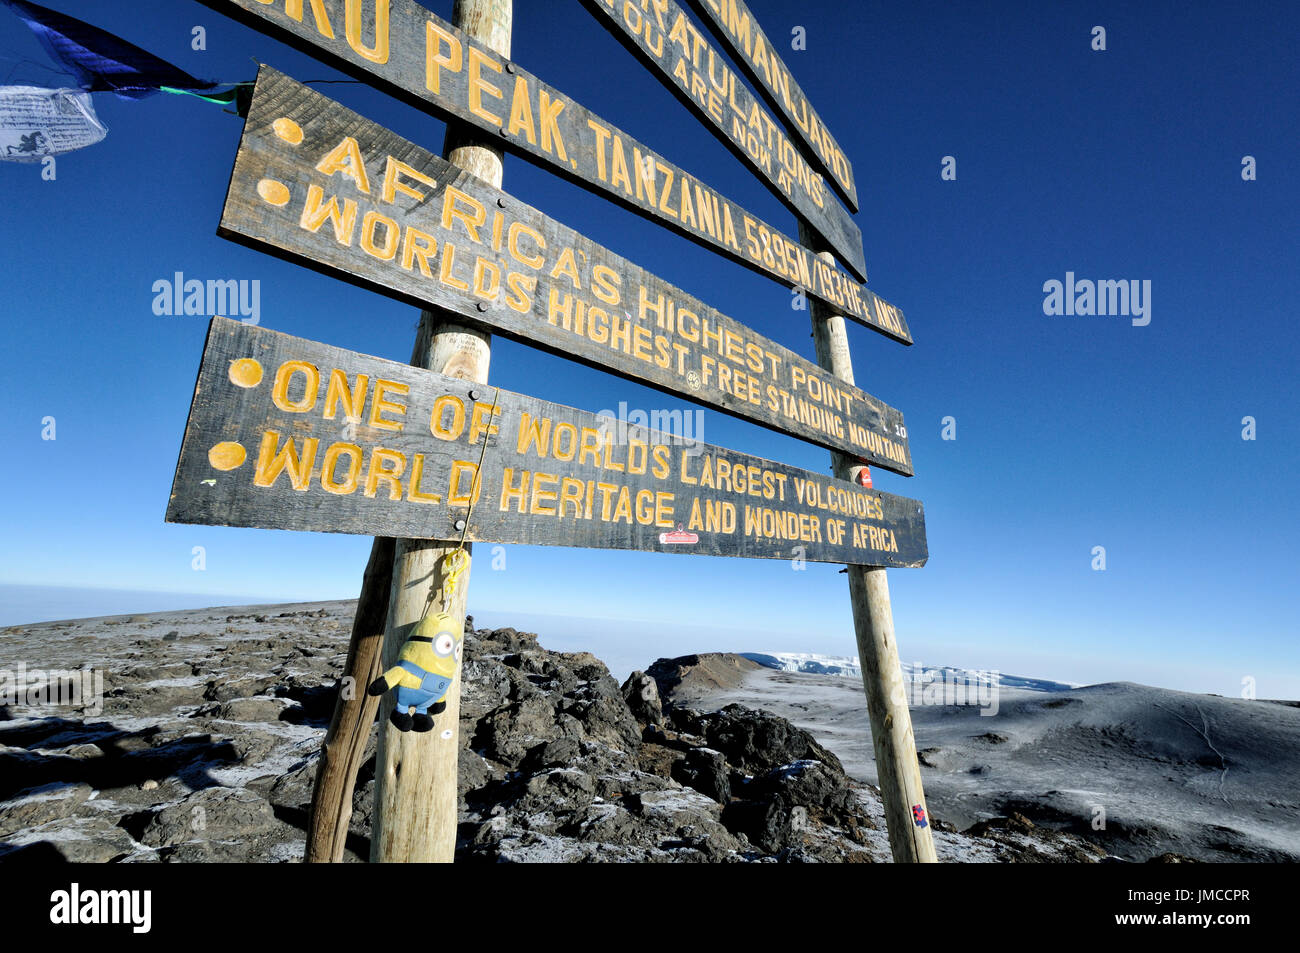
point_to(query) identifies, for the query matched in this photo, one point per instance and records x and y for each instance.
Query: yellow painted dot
(275, 193)
(288, 130)
(245, 372)
(226, 456)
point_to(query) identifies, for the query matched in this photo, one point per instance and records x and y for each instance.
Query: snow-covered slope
(1141, 771)
(810, 663)
(806, 662)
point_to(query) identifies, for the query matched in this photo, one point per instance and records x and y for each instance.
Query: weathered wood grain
(669, 45)
(285, 433)
(736, 27)
(320, 184)
(344, 747)
(421, 59)
(898, 768)
(416, 778)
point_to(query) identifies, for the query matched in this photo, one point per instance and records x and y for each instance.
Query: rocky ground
(211, 722)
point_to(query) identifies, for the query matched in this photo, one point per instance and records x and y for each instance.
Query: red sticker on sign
(864, 477)
(678, 536)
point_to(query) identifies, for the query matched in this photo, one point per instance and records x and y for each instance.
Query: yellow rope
(457, 561)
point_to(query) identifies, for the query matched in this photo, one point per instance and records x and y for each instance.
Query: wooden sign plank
(285, 433)
(667, 42)
(410, 53)
(320, 184)
(739, 32)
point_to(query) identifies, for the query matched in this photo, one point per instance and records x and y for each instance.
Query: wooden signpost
(403, 48)
(285, 433)
(318, 183)
(898, 769)
(417, 801)
(738, 30)
(666, 40)
(292, 434)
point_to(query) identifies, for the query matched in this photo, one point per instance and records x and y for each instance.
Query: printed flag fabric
(37, 122)
(101, 61)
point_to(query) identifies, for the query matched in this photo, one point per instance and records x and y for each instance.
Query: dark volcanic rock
(641, 693)
(706, 771)
(771, 824)
(689, 676)
(43, 805)
(213, 813)
(575, 768)
(818, 787)
(758, 741)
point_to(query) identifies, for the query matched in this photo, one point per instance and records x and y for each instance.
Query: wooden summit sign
(285, 433)
(738, 29)
(666, 40)
(316, 182)
(402, 48)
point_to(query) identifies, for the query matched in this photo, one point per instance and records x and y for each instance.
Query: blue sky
(1072, 431)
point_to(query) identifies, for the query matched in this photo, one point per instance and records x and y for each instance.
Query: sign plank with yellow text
(402, 48)
(318, 183)
(738, 30)
(285, 433)
(667, 42)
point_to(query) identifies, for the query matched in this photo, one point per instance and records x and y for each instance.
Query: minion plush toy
(426, 666)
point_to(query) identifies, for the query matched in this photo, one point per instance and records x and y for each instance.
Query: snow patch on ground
(810, 663)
